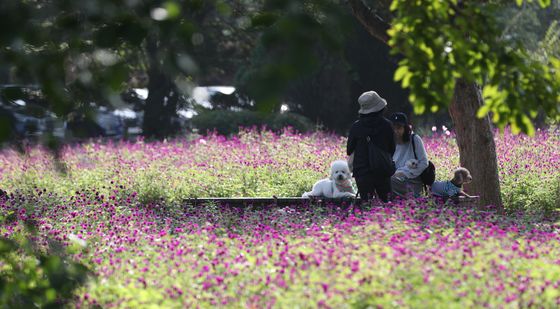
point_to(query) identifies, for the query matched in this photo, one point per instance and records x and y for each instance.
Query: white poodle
(338, 185)
(410, 164)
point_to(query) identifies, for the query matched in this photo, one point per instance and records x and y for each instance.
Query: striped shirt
(445, 189)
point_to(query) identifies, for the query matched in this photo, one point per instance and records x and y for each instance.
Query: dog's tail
(305, 194)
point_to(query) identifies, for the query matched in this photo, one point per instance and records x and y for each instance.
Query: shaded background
(87, 73)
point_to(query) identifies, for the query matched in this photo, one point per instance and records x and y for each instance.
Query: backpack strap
(413, 146)
(369, 137)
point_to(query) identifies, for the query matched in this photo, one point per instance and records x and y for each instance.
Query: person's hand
(399, 175)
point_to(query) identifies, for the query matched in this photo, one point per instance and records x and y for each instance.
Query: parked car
(207, 97)
(111, 123)
(29, 112)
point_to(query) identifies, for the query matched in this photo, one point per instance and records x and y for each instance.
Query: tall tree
(92, 48)
(451, 49)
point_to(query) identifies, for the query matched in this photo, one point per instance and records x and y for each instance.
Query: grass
(118, 211)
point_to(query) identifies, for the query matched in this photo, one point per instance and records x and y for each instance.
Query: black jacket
(381, 132)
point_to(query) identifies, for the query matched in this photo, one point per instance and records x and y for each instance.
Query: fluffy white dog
(411, 164)
(338, 185)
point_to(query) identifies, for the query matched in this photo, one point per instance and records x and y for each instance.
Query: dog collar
(344, 187)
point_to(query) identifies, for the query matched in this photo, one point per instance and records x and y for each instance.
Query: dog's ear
(458, 177)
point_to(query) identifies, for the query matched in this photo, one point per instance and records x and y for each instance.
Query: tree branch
(373, 23)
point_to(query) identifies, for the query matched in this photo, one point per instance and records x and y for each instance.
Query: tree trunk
(160, 109)
(477, 150)
(373, 24)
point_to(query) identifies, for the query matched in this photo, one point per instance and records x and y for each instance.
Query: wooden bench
(262, 202)
(473, 201)
(267, 201)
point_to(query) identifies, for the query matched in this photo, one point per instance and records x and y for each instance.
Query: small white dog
(411, 164)
(338, 185)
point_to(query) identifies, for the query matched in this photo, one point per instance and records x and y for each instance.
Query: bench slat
(286, 201)
(274, 201)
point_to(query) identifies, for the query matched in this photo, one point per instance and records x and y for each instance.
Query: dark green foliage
(226, 122)
(292, 32)
(446, 40)
(325, 96)
(79, 50)
(297, 122)
(82, 52)
(7, 123)
(31, 278)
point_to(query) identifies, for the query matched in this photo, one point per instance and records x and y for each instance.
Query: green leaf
(264, 19)
(223, 8)
(515, 129)
(117, 75)
(50, 294)
(483, 111)
(529, 129)
(544, 3)
(394, 5)
(496, 117)
(489, 91)
(401, 72)
(173, 9)
(419, 108)
(406, 80)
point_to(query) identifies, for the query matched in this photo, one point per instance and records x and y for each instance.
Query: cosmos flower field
(121, 205)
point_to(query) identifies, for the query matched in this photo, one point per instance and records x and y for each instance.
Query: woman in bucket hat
(406, 181)
(371, 123)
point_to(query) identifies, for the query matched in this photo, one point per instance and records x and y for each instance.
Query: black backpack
(380, 161)
(428, 176)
